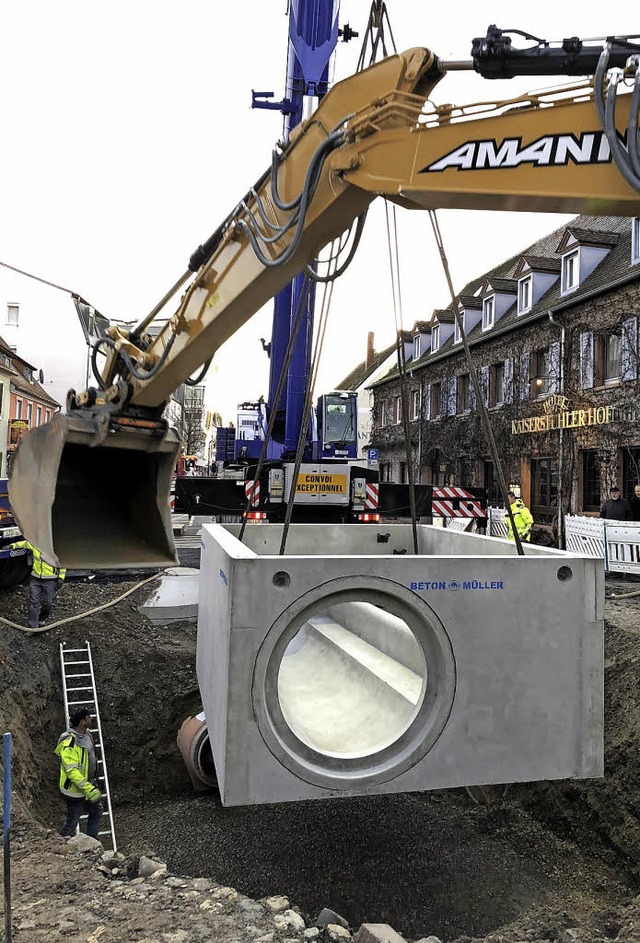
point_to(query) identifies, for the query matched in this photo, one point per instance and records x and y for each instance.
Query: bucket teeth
(91, 494)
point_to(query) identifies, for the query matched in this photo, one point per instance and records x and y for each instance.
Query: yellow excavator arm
(371, 136)
(374, 134)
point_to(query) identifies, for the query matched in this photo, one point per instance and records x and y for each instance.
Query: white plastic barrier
(616, 542)
(497, 522)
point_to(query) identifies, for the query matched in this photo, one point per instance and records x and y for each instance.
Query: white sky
(128, 136)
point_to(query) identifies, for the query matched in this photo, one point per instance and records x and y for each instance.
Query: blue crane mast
(313, 36)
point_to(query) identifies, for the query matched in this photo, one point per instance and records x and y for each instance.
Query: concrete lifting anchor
(343, 668)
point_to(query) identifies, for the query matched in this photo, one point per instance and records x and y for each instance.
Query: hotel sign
(557, 416)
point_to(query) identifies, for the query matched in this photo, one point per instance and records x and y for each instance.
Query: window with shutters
(436, 400)
(540, 378)
(591, 499)
(464, 394)
(586, 360)
(608, 358)
(496, 384)
(525, 375)
(544, 489)
(508, 380)
(415, 404)
(629, 360)
(385, 471)
(570, 271)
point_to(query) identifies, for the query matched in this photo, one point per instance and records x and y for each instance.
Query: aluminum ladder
(79, 689)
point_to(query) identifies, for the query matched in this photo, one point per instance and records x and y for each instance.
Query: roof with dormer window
(544, 255)
(536, 263)
(421, 327)
(584, 237)
(443, 316)
(470, 301)
(506, 286)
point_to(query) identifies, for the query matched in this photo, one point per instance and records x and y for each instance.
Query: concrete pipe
(193, 743)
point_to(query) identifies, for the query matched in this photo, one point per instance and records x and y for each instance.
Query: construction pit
(553, 860)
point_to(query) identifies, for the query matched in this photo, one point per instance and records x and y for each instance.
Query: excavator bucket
(93, 494)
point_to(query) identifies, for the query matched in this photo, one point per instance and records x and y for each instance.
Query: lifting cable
(293, 337)
(308, 401)
(394, 266)
(484, 413)
(375, 35)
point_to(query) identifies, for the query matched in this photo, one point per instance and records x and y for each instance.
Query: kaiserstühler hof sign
(557, 415)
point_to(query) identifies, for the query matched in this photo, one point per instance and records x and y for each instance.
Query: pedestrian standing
(635, 504)
(45, 582)
(522, 517)
(78, 767)
(616, 508)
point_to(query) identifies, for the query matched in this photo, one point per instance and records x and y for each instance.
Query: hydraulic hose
(633, 135)
(82, 615)
(607, 112)
(311, 182)
(313, 275)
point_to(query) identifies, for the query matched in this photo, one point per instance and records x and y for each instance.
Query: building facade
(27, 405)
(553, 337)
(6, 373)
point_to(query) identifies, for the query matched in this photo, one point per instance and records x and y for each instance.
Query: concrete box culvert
(366, 672)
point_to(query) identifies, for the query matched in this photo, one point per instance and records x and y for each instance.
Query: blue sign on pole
(6, 834)
(372, 458)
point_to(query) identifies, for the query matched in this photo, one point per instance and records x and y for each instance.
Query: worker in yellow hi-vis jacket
(522, 518)
(45, 582)
(78, 768)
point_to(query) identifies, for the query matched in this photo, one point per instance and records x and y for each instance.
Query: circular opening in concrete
(564, 573)
(354, 682)
(351, 680)
(281, 578)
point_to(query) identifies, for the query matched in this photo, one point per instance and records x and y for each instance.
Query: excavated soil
(552, 861)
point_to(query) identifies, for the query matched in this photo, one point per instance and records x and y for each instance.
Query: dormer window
(457, 336)
(416, 347)
(488, 312)
(435, 337)
(570, 270)
(525, 295)
(635, 240)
